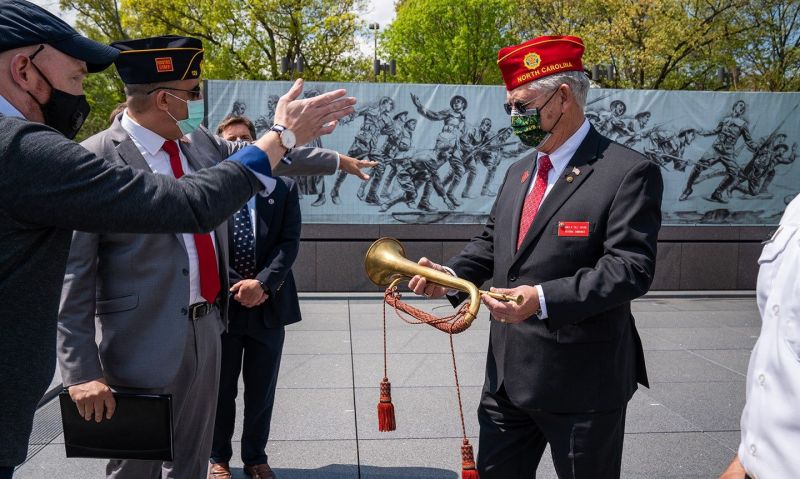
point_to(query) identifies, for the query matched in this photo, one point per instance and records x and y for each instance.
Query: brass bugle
(503, 297)
(386, 263)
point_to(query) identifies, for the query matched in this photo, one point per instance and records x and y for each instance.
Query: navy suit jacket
(278, 223)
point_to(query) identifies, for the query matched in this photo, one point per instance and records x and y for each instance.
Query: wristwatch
(288, 141)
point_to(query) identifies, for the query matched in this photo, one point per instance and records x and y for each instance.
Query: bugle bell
(386, 264)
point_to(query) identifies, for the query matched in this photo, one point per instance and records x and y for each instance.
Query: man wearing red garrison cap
(573, 230)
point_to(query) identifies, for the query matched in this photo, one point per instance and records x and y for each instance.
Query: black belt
(198, 310)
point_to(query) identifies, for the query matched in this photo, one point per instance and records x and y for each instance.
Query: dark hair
(116, 111)
(237, 120)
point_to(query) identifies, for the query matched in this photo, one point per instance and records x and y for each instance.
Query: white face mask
(197, 111)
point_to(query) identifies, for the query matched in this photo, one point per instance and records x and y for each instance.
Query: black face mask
(63, 111)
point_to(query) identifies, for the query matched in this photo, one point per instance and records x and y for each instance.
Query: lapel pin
(576, 171)
(271, 201)
(525, 175)
(569, 179)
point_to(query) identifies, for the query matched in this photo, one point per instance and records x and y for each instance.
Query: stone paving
(324, 426)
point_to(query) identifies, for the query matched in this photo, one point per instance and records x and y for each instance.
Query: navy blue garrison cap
(159, 59)
(23, 23)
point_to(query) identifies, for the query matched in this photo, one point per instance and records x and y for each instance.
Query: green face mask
(197, 111)
(529, 129)
(528, 126)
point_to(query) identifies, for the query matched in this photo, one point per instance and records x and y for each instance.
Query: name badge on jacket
(573, 228)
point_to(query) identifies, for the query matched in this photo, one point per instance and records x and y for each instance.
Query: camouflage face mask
(529, 129)
(527, 125)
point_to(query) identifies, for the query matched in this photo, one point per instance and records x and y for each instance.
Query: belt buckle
(198, 310)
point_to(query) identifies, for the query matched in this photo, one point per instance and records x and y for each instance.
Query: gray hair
(578, 82)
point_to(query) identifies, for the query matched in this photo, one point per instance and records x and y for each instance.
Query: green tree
(657, 44)
(246, 40)
(769, 57)
(242, 40)
(441, 41)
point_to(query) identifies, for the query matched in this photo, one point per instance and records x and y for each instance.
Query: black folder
(141, 428)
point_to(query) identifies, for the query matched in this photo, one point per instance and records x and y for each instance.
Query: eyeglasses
(196, 92)
(521, 108)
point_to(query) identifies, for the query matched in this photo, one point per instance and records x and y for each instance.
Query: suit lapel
(562, 189)
(221, 237)
(126, 148)
(264, 212)
(193, 155)
(522, 191)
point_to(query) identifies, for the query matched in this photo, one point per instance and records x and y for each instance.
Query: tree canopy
(653, 44)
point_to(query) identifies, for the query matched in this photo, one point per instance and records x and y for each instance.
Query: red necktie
(206, 256)
(534, 198)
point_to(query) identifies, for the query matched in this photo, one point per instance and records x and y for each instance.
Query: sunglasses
(195, 92)
(521, 108)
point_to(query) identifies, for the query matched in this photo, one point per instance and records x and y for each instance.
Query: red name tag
(573, 228)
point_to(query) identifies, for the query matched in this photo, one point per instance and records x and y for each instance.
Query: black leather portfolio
(141, 428)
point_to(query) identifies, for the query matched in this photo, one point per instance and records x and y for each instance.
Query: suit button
(185, 272)
(512, 277)
(184, 311)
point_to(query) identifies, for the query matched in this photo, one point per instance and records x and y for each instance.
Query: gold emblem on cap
(532, 60)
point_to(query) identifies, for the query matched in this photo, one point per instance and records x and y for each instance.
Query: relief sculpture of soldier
(612, 122)
(240, 108)
(415, 172)
(757, 174)
(447, 142)
(723, 151)
(312, 185)
(377, 122)
(398, 139)
(473, 145)
(499, 148)
(264, 122)
(668, 147)
(640, 129)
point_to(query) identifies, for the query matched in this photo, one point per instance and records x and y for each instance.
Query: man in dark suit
(573, 230)
(264, 300)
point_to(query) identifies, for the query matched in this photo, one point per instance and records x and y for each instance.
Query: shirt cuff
(338, 160)
(542, 304)
(257, 162)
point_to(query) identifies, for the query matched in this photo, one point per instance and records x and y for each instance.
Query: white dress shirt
(7, 109)
(149, 145)
(559, 158)
(770, 444)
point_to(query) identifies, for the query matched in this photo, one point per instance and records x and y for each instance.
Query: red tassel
(386, 420)
(468, 470)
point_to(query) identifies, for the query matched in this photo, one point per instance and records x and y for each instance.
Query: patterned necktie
(244, 250)
(534, 198)
(206, 256)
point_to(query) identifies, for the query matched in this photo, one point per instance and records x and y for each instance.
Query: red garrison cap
(539, 58)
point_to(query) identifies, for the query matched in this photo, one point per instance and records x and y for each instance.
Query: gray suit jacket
(133, 289)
